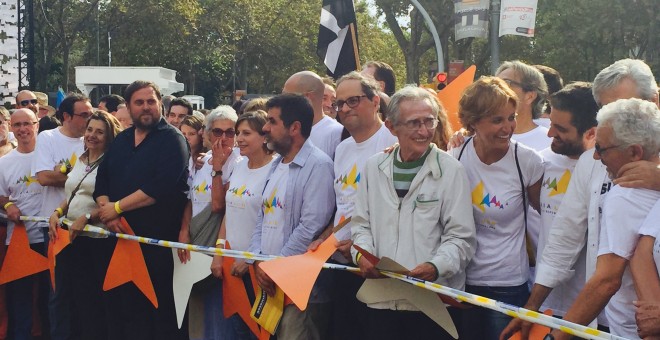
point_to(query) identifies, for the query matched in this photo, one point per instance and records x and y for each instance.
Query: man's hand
(515, 325)
(264, 280)
(184, 237)
(639, 174)
(457, 139)
(199, 162)
(13, 213)
(425, 271)
(115, 226)
(76, 227)
(344, 248)
(368, 270)
(216, 266)
(391, 148)
(647, 315)
(314, 245)
(239, 268)
(107, 212)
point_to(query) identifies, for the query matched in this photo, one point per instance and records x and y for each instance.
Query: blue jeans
(483, 323)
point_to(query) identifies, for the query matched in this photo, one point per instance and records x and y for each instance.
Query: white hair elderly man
(628, 131)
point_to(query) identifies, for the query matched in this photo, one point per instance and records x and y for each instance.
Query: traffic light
(441, 79)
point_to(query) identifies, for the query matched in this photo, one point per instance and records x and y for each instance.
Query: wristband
(59, 211)
(118, 209)
(8, 204)
(221, 242)
(357, 258)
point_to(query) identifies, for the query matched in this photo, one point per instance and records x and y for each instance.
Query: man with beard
(298, 201)
(143, 179)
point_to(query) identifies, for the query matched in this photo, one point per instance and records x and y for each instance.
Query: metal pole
(494, 35)
(109, 59)
(434, 33)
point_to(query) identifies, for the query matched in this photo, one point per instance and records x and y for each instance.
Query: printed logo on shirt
(71, 162)
(349, 180)
(272, 202)
(241, 191)
(557, 187)
(202, 188)
(27, 179)
(482, 201)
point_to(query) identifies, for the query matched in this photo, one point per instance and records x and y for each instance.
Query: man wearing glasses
(414, 206)
(56, 152)
(27, 99)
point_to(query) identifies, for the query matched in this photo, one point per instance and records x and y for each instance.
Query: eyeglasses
(350, 101)
(600, 150)
(230, 133)
(415, 124)
(83, 115)
(28, 101)
(22, 124)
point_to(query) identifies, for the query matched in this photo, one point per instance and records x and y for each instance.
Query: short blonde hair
(483, 98)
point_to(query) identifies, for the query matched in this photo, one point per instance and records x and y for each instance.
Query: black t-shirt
(158, 167)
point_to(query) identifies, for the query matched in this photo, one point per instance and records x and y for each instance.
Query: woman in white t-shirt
(193, 129)
(645, 267)
(89, 257)
(504, 178)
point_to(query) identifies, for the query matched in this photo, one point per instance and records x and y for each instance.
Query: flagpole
(355, 46)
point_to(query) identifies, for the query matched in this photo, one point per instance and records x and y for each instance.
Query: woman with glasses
(505, 177)
(90, 257)
(203, 215)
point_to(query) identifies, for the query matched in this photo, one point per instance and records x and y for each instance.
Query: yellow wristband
(357, 258)
(8, 204)
(59, 211)
(118, 209)
(221, 242)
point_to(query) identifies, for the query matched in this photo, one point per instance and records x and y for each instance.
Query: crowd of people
(546, 199)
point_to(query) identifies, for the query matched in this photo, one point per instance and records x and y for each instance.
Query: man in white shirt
(56, 152)
(326, 132)
(577, 223)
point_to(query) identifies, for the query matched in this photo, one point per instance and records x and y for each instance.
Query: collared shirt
(309, 200)
(159, 167)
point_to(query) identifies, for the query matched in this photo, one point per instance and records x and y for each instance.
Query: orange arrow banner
(450, 95)
(21, 260)
(127, 265)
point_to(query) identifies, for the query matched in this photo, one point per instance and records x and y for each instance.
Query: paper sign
(185, 276)
(537, 332)
(267, 310)
(127, 265)
(296, 275)
(54, 248)
(451, 94)
(21, 260)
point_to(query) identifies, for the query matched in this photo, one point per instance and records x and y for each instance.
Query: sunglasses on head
(28, 101)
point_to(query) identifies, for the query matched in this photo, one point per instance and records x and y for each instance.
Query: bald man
(326, 132)
(27, 99)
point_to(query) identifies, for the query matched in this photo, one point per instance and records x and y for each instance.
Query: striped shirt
(404, 172)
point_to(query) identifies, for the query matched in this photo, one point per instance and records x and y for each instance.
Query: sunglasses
(230, 133)
(601, 150)
(28, 101)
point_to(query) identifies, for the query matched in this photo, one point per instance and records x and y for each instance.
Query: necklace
(90, 165)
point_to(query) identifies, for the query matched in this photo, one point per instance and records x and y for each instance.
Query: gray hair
(531, 80)
(413, 93)
(633, 121)
(222, 112)
(635, 70)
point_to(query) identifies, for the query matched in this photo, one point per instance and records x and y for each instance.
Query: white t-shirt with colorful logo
(326, 135)
(350, 159)
(651, 227)
(23, 189)
(497, 203)
(272, 225)
(54, 148)
(243, 201)
(558, 170)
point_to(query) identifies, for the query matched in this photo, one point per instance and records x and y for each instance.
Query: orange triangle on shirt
(296, 275)
(54, 248)
(234, 296)
(451, 94)
(127, 265)
(21, 260)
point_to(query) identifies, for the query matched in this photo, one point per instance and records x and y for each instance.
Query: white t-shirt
(272, 225)
(54, 148)
(231, 162)
(22, 189)
(545, 122)
(497, 203)
(558, 170)
(651, 227)
(83, 202)
(243, 201)
(200, 186)
(624, 211)
(326, 135)
(350, 159)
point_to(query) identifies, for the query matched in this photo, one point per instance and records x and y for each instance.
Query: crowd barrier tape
(510, 310)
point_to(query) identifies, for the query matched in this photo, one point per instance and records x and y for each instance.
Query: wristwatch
(216, 173)
(88, 217)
